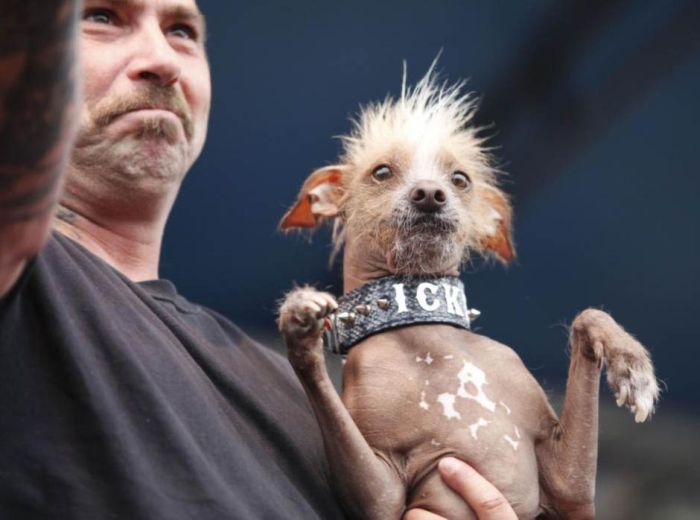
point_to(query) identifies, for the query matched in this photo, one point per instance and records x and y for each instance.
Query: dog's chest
(437, 397)
(437, 390)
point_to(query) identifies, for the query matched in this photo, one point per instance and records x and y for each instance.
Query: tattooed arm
(38, 111)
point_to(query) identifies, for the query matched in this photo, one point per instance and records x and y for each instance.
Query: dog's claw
(622, 395)
(640, 415)
(303, 312)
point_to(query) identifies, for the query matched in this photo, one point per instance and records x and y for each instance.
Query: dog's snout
(427, 196)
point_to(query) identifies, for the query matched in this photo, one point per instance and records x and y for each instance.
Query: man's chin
(134, 157)
(154, 158)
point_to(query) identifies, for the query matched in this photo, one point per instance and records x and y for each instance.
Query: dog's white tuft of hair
(429, 116)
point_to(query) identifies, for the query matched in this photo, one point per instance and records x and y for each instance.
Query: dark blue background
(596, 116)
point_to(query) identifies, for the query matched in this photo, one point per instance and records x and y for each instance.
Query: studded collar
(392, 302)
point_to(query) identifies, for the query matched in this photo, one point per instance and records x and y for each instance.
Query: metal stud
(348, 318)
(383, 304)
(473, 314)
(363, 309)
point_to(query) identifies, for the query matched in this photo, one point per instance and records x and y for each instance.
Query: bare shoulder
(499, 351)
(509, 370)
(503, 360)
(376, 351)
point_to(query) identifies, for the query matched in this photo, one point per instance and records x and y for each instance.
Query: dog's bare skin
(416, 394)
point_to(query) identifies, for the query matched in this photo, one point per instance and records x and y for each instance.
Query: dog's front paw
(631, 378)
(301, 320)
(630, 372)
(302, 313)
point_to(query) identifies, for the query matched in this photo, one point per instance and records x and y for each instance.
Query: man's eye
(104, 16)
(182, 30)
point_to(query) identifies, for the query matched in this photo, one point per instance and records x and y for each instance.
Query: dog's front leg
(367, 485)
(568, 458)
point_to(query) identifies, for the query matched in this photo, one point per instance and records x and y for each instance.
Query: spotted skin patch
(474, 428)
(428, 359)
(447, 400)
(471, 374)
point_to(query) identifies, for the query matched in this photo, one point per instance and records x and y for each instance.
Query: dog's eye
(461, 180)
(381, 173)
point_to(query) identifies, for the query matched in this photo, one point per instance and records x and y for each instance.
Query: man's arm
(38, 112)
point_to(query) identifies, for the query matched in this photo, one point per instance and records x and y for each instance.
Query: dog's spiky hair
(430, 112)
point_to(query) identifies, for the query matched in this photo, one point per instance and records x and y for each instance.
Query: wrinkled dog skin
(415, 193)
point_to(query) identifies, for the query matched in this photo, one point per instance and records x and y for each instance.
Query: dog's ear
(319, 197)
(499, 239)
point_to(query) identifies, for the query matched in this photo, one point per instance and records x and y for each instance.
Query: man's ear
(319, 197)
(499, 239)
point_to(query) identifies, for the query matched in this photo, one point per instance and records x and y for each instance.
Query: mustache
(162, 98)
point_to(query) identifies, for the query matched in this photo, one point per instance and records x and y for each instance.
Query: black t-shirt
(124, 400)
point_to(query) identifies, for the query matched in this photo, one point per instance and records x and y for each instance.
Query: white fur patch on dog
(474, 428)
(471, 374)
(513, 442)
(428, 359)
(472, 377)
(423, 403)
(505, 406)
(447, 400)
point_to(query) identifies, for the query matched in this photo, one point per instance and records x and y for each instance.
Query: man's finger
(421, 514)
(487, 502)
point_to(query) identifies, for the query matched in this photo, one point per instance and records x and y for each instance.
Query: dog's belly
(421, 393)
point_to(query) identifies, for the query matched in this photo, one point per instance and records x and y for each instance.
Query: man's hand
(487, 502)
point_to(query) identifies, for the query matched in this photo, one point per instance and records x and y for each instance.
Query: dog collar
(392, 302)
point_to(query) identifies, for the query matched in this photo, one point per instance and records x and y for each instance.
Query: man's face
(146, 88)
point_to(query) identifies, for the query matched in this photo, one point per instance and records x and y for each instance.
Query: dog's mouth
(422, 243)
(429, 223)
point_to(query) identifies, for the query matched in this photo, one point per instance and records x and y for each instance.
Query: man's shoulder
(258, 344)
(57, 259)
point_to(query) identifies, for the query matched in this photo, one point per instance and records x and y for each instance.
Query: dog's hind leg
(568, 457)
(367, 484)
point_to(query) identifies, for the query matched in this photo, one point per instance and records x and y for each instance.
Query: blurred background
(593, 107)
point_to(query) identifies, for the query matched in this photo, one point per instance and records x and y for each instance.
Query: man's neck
(132, 248)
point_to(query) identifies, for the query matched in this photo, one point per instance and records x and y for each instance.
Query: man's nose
(154, 59)
(428, 196)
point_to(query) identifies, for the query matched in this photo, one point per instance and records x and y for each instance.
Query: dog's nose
(427, 196)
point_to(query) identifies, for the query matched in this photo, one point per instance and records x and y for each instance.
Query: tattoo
(63, 213)
(37, 102)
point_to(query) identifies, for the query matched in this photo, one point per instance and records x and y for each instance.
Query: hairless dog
(414, 194)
